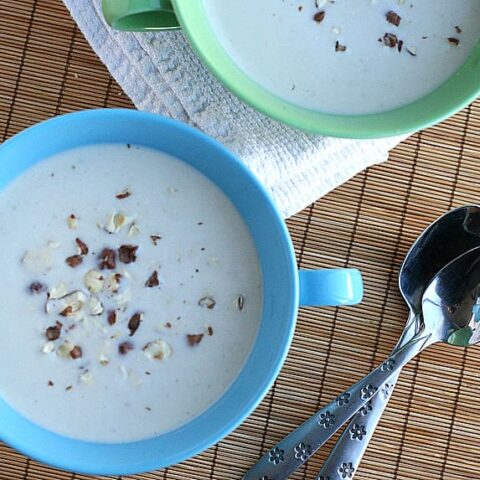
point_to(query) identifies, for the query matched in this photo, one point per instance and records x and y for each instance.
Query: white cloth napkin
(161, 74)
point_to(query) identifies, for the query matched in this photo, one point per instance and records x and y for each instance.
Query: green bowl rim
(456, 93)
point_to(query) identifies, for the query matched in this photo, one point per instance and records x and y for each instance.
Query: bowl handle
(140, 15)
(335, 287)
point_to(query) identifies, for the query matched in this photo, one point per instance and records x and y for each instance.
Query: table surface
(432, 425)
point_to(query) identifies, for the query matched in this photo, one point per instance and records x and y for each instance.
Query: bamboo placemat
(432, 425)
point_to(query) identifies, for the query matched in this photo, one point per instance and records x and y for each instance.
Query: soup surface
(131, 293)
(347, 56)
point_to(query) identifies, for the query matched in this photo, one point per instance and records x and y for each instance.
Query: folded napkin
(161, 74)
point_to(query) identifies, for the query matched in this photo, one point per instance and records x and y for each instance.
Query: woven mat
(432, 425)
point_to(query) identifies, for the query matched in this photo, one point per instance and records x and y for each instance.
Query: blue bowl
(283, 287)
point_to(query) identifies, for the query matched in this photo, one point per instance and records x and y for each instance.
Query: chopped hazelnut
(72, 222)
(54, 332)
(157, 350)
(96, 307)
(82, 247)
(111, 317)
(390, 40)
(94, 281)
(122, 195)
(74, 260)
(125, 347)
(207, 302)
(127, 253)
(67, 311)
(152, 281)
(69, 305)
(37, 287)
(155, 239)
(393, 18)
(76, 352)
(103, 359)
(134, 322)
(319, 16)
(194, 340)
(115, 222)
(107, 259)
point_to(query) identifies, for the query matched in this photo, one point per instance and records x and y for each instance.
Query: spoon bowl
(452, 300)
(451, 235)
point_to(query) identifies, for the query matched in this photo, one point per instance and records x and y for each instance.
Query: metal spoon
(449, 315)
(427, 256)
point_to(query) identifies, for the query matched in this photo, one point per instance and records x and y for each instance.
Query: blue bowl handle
(335, 287)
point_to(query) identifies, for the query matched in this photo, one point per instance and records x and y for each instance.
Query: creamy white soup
(347, 56)
(131, 293)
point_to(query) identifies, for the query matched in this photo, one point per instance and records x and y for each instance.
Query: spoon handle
(351, 446)
(295, 449)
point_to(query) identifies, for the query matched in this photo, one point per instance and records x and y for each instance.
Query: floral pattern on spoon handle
(295, 449)
(343, 461)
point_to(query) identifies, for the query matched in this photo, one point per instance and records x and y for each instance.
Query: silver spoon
(427, 256)
(449, 315)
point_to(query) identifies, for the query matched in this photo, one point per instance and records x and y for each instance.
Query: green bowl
(457, 92)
